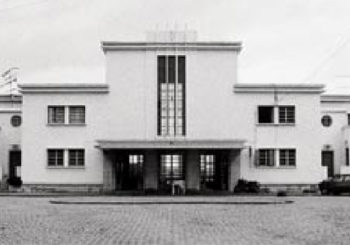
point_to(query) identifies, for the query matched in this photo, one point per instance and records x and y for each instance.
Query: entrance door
(171, 171)
(15, 164)
(214, 171)
(328, 161)
(129, 172)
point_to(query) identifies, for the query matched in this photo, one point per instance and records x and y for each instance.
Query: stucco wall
(37, 136)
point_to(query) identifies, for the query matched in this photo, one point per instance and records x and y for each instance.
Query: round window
(16, 121)
(326, 121)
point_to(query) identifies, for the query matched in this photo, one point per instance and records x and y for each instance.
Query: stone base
(293, 189)
(63, 188)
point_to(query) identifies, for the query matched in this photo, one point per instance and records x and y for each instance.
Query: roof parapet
(112, 46)
(33, 88)
(281, 88)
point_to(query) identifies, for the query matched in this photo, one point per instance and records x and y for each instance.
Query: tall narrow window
(347, 163)
(171, 95)
(207, 168)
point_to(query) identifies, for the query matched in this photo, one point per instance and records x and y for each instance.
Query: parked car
(335, 185)
(244, 186)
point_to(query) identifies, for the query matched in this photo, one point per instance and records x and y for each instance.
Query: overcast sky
(283, 40)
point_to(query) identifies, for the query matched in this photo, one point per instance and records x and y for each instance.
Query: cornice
(280, 88)
(63, 88)
(111, 46)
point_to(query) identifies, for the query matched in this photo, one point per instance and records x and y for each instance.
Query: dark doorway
(14, 164)
(171, 171)
(328, 161)
(129, 171)
(214, 171)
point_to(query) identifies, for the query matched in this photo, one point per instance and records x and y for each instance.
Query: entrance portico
(206, 165)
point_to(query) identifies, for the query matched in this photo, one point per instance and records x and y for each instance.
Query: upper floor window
(349, 119)
(66, 114)
(77, 114)
(265, 114)
(276, 114)
(16, 121)
(56, 114)
(326, 121)
(286, 114)
(171, 95)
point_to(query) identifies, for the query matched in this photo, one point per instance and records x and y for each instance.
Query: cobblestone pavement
(309, 220)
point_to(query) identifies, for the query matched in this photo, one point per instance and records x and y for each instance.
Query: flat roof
(31, 88)
(170, 144)
(342, 98)
(278, 87)
(115, 45)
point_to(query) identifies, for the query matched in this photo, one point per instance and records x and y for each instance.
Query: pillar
(192, 171)
(234, 168)
(151, 170)
(108, 171)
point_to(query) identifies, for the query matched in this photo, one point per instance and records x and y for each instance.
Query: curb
(172, 202)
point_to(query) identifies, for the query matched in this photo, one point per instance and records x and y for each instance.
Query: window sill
(276, 124)
(64, 167)
(66, 124)
(276, 167)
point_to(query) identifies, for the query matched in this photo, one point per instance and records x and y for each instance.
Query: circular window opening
(16, 121)
(326, 121)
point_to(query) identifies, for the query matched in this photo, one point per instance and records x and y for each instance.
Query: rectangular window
(56, 114)
(171, 95)
(347, 163)
(207, 168)
(77, 114)
(266, 157)
(76, 157)
(55, 157)
(286, 114)
(349, 119)
(288, 157)
(265, 114)
(171, 167)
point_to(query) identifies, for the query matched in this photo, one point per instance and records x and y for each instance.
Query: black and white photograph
(175, 122)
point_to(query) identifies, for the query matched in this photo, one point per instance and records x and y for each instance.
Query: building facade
(173, 115)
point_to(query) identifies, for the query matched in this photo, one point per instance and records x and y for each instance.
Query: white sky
(283, 40)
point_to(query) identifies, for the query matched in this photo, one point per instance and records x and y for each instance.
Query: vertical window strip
(171, 105)
(347, 162)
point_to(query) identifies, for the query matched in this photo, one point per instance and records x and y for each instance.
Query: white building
(172, 112)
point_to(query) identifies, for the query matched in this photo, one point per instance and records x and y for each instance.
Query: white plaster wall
(337, 134)
(37, 136)
(9, 136)
(304, 136)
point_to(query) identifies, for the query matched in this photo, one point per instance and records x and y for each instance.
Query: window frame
(56, 159)
(289, 162)
(65, 158)
(269, 150)
(276, 158)
(66, 115)
(285, 117)
(76, 150)
(272, 116)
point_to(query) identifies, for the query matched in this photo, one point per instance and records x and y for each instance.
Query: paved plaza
(308, 220)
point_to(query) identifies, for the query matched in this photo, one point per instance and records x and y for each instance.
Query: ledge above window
(276, 124)
(65, 167)
(66, 125)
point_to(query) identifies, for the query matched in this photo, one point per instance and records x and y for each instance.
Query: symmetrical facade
(173, 114)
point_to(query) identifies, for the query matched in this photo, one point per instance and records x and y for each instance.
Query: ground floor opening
(174, 171)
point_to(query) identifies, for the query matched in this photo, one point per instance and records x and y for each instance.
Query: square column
(151, 170)
(234, 168)
(192, 171)
(108, 171)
